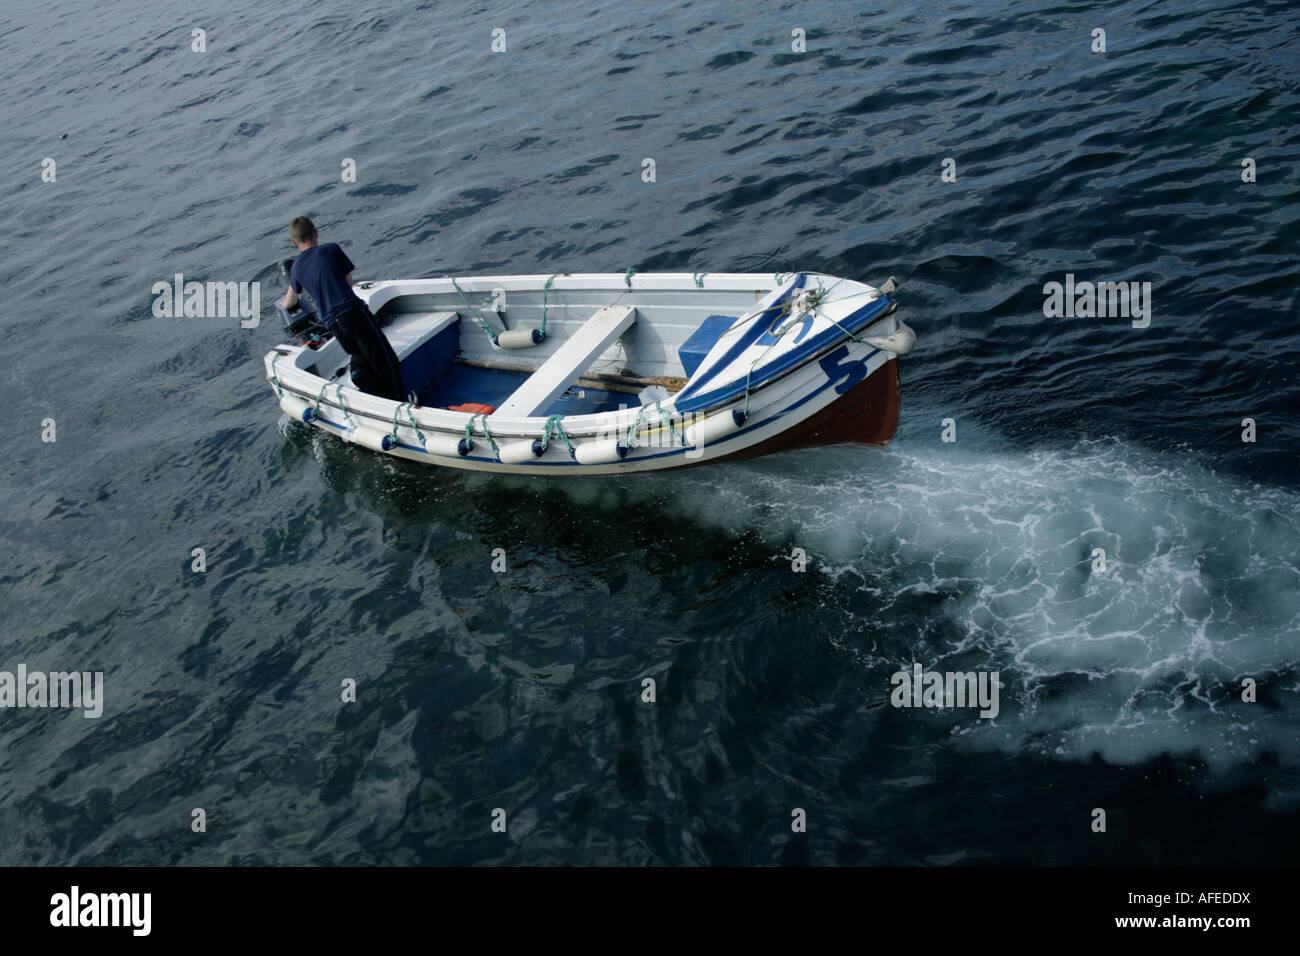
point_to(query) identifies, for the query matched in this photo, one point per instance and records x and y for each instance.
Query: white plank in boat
(568, 362)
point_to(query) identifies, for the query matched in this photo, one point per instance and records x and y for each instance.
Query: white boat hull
(780, 377)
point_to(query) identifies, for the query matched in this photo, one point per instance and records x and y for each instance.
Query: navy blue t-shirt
(323, 271)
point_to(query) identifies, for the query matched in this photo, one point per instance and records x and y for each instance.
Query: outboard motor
(302, 323)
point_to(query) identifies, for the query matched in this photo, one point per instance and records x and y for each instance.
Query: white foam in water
(1202, 587)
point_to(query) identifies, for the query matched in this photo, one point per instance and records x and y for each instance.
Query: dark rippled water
(522, 690)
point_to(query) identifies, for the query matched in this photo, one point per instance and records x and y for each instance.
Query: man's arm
(290, 299)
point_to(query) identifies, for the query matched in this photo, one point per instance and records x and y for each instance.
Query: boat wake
(969, 556)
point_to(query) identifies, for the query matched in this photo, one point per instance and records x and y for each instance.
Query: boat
(598, 374)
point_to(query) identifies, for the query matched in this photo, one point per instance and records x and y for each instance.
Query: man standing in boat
(325, 272)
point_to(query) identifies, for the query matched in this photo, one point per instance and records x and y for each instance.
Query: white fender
(519, 338)
(716, 426)
(900, 341)
(600, 452)
(296, 407)
(518, 452)
(371, 438)
(448, 446)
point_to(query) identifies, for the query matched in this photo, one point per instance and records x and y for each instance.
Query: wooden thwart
(632, 384)
(568, 363)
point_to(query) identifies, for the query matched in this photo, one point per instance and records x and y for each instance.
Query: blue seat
(693, 351)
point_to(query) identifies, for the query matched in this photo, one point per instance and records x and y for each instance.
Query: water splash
(972, 555)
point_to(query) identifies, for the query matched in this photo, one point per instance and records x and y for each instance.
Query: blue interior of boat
(693, 350)
(461, 384)
(423, 367)
(432, 371)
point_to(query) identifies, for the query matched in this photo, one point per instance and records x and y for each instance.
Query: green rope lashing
(414, 427)
(545, 290)
(418, 434)
(699, 279)
(338, 390)
(482, 324)
(780, 277)
(667, 419)
(553, 427)
(628, 277)
(396, 412)
(636, 423)
(319, 398)
(343, 406)
(469, 432)
(275, 379)
(850, 335)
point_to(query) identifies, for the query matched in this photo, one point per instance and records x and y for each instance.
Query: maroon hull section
(866, 415)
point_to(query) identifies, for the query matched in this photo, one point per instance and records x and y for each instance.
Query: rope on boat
(343, 406)
(552, 427)
(482, 323)
(814, 302)
(469, 432)
(666, 418)
(699, 279)
(545, 289)
(416, 428)
(781, 310)
(822, 300)
(846, 332)
(636, 423)
(628, 277)
(748, 376)
(874, 293)
(338, 391)
(275, 379)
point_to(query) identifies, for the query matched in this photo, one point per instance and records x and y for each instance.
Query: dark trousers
(375, 368)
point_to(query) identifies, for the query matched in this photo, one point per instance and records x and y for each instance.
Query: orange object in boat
(473, 408)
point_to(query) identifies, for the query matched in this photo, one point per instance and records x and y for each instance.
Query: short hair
(302, 229)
